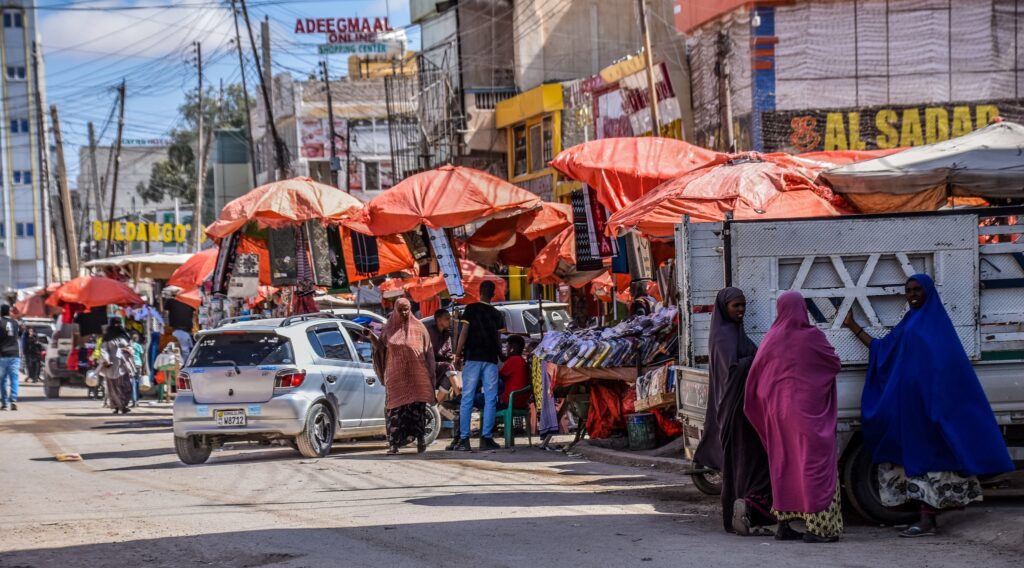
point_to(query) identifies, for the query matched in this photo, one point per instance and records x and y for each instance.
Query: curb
(588, 451)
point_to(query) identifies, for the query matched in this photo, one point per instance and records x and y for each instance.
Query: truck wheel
(708, 483)
(433, 425)
(192, 450)
(860, 478)
(318, 435)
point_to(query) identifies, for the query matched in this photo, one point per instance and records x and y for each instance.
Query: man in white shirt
(185, 341)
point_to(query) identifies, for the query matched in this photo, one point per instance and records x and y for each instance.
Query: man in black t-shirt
(479, 346)
(10, 359)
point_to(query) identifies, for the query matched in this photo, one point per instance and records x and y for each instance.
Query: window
(549, 137)
(22, 176)
(12, 20)
(536, 159)
(241, 349)
(3, 231)
(519, 151)
(372, 176)
(329, 343)
(25, 229)
(15, 72)
(19, 125)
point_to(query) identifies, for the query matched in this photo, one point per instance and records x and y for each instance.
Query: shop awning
(622, 170)
(93, 292)
(156, 265)
(746, 186)
(985, 163)
(283, 203)
(446, 197)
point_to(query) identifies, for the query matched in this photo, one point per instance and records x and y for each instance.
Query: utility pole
(335, 181)
(280, 150)
(65, 195)
(95, 175)
(117, 164)
(197, 230)
(245, 93)
(42, 142)
(652, 90)
(197, 201)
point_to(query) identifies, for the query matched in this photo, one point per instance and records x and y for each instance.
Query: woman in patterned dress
(404, 360)
(791, 402)
(926, 419)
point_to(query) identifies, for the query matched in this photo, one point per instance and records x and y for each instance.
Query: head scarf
(409, 359)
(727, 344)
(791, 402)
(923, 406)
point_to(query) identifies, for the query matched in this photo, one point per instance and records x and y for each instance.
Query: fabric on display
(283, 263)
(225, 261)
(245, 281)
(339, 282)
(319, 252)
(365, 255)
(640, 340)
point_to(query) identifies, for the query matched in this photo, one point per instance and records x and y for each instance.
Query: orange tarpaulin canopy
(34, 307)
(751, 189)
(602, 288)
(473, 275)
(391, 250)
(549, 219)
(190, 298)
(446, 197)
(195, 270)
(282, 203)
(622, 170)
(93, 292)
(556, 262)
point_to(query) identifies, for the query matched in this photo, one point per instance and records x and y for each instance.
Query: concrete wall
(559, 40)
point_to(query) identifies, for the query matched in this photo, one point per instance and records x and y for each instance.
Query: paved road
(130, 503)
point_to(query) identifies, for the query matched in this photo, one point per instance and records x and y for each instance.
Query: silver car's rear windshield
(244, 349)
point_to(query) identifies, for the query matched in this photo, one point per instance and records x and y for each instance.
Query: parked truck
(976, 257)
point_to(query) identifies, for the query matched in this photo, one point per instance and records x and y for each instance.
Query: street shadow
(126, 454)
(124, 424)
(647, 539)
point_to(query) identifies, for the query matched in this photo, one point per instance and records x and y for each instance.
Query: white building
(23, 250)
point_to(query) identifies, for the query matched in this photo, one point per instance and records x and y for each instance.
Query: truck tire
(318, 435)
(860, 479)
(433, 425)
(708, 483)
(192, 450)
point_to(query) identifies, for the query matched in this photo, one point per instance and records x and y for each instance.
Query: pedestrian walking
(10, 359)
(117, 366)
(137, 352)
(791, 402)
(479, 346)
(729, 443)
(184, 338)
(926, 419)
(407, 359)
(33, 350)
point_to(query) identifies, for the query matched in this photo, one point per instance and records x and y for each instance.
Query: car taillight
(184, 382)
(289, 379)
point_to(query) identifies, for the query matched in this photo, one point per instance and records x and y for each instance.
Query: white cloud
(148, 32)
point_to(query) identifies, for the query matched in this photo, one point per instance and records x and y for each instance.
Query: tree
(176, 176)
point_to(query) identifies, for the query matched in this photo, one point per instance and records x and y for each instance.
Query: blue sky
(90, 45)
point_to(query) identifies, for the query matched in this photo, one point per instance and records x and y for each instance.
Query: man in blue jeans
(479, 346)
(10, 359)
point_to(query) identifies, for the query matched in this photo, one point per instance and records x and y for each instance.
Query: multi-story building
(361, 133)
(23, 224)
(812, 75)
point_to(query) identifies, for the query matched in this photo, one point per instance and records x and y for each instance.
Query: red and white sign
(344, 30)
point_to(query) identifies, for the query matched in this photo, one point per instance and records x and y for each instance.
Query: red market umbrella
(473, 275)
(195, 270)
(622, 170)
(445, 197)
(556, 262)
(93, 292)
(190, 298)
(34, 307)
(283, 203)
(749, 188)
(499, 234)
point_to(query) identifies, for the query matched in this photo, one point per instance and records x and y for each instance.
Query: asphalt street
(129, 502)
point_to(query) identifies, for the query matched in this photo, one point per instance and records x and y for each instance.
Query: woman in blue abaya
(926, 419)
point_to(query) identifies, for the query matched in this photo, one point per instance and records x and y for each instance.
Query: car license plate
(230, 417)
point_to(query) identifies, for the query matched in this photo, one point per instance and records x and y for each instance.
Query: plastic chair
(508, 415)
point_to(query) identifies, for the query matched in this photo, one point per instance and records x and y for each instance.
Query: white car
(303, 381)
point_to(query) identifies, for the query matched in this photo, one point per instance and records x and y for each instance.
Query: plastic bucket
(642, 429)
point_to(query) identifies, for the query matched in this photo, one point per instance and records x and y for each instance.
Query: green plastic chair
(508, 415)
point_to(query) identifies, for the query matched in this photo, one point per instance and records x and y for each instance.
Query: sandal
(917, 530)
(393, 451)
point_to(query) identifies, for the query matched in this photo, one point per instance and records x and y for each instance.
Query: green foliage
(176, 176)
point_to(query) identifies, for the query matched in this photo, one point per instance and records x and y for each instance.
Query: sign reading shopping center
(879, 127)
